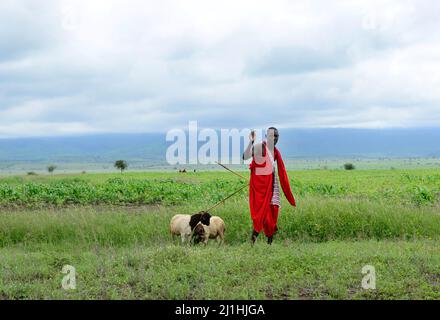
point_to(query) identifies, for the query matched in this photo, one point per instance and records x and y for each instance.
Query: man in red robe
(264, 191)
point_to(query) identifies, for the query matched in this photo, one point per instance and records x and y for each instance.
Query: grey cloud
(26, 27)
(121, 74)
(294, 60)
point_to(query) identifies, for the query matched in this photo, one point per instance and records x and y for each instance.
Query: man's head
(272, 135)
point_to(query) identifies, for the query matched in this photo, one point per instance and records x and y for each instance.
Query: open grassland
(113, 228)
(288, 270)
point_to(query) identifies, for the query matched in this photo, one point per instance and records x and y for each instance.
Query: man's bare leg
(269, 240)
(254, 236)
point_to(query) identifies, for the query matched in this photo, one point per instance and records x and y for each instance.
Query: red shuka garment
(263, 215)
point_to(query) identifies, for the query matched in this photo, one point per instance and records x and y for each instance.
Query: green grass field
(113, 229)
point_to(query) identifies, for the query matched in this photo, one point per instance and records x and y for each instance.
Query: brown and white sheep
(182, 225)
(215, 230)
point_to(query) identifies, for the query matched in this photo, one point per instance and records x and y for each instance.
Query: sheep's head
(199, 233)
(203, 217)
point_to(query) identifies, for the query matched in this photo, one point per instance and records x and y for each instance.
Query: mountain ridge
(294, 143)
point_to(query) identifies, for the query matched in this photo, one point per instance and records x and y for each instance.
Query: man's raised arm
(249, 152)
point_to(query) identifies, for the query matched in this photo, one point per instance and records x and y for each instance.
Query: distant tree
(51, 168)
(121, 165)
(31, 173)
(349, 166)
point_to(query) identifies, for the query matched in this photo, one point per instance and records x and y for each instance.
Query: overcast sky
(75, 67)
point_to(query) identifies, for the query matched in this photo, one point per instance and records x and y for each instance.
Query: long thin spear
(237, 174)
(230, 196)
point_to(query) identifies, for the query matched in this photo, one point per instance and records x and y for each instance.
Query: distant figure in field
(264, 191)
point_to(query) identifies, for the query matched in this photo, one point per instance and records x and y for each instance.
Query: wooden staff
(230, 196)
(222, 201)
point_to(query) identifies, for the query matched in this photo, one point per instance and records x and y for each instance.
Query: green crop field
(113, 228)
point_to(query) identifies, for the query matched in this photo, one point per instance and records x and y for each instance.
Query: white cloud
(69, 67)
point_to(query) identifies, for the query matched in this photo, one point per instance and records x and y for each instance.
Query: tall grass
(316, 219)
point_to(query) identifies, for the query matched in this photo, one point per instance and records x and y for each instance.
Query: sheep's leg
(190, 239)
(220, 239)
(183, 238)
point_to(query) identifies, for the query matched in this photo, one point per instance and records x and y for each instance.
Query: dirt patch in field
(133, 209)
